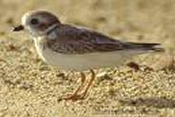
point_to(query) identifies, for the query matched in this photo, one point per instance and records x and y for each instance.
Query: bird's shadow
(155, 102)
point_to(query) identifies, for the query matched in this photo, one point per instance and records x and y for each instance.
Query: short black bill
(18, 28)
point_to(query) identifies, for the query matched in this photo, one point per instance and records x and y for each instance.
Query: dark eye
(34, 21)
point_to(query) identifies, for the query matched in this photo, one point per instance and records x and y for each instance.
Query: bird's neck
(50, 29)
(46, 32)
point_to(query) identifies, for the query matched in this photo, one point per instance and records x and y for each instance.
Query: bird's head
(37, 22)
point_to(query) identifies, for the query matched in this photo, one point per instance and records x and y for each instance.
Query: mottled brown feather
(73, 40)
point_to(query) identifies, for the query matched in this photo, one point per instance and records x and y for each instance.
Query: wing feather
(73, 40)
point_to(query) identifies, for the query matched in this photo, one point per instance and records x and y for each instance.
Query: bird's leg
(84, 92)
(74, 95)
(79, 96)
(83, 78)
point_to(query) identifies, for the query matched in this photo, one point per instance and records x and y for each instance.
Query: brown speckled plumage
(74, 40)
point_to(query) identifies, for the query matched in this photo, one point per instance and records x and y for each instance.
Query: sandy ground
(31, 88)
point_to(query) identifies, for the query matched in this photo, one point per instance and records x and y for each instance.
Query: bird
(77, 48)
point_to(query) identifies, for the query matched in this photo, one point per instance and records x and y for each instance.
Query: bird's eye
(34, 21)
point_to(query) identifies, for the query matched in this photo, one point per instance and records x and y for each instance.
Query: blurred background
(29, 87)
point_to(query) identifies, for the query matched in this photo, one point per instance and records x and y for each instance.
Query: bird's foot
(74, 97)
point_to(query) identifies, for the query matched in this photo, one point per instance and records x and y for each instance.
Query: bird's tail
(153, 47)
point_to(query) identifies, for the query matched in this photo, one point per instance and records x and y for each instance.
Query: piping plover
(77, 48)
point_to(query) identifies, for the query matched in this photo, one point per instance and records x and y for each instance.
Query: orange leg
(83, 93)
(83, 78)
(79, 96)
(72, 96)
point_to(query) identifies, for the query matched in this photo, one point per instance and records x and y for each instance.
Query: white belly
(80, 62)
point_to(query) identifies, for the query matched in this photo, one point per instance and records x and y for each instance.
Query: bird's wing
(73, 40)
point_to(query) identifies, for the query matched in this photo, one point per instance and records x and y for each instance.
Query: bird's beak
(18, 28)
